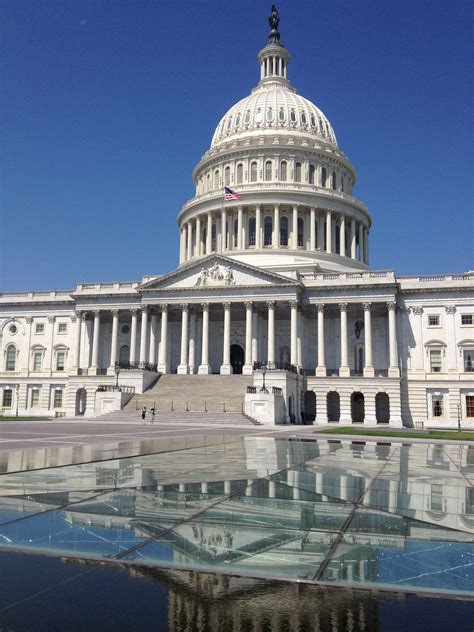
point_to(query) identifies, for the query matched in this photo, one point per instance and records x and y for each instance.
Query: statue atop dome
(274, 21)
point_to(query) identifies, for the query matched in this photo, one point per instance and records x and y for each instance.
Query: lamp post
(264, 372)
(117, 373)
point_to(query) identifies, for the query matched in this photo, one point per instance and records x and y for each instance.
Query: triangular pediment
(216, 271)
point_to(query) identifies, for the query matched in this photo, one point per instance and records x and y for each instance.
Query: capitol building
(274, 290)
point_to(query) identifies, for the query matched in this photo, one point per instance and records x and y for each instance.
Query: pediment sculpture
(215, 275)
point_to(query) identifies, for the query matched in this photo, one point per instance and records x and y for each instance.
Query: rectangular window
(35, 395)
(437, 497)
(39, 328)
(468, 360)
(435, 361)
(7, 398)
(437, 403)
(62, 328)
(470, 501)
(433, 320)
(60, 359)
(470, 406)
(466, 319)
(58, 399)
(37, 360)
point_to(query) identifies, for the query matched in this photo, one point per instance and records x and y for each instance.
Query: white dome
(273, 107)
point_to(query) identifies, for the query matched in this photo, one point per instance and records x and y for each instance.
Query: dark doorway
(237, 358)
(81, 401)
(357, 408)
(309, 406)
(382, 408)
(333, 406)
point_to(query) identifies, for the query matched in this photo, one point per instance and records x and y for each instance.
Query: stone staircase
(191, 398)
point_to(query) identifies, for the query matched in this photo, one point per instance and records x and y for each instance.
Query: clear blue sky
(108, 106)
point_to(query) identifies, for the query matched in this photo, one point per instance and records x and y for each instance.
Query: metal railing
(138, 366)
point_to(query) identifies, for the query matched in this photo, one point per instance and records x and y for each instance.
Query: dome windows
(253, 172)
(300, 232)
(247, 117)
(284, 231)
(258, 116)
(283, 171)
(334, 180)
(311, 173)
(292, 116)
(240, 173)
(267, 231)
(268, 170)
(297, 171)
(229, 123)
(252, 231)
(281, 115)
(270, 114)
(227, 176)
(313, 121)
(303, 119)
(216, 179)
(324, 177)
(237, 120)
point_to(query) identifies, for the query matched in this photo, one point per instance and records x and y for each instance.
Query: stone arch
(382, 408)
(357, 407)
(333, 404)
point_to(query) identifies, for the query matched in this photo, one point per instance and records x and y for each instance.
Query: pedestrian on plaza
(143, 413)
(152, 411)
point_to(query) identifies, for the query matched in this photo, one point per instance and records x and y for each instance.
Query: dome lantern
(274, 57)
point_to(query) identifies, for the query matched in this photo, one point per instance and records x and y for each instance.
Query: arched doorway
(237, 358)
(357, 408)
(81, 401)
(382, 408)
(333, 406)
(309, 406)
(124, 356)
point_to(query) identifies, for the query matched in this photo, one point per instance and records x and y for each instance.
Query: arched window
(312, 171)
(227, 176)
(300, 232)
(252, 231)
(240, 173)
(253, 172)
(297, 171)
(334, 180)
(213, 237)
(284, 231)
(283, 171)
(268, 170)
(324, 177)
(216, 179)
(10, 364)
(267, 231)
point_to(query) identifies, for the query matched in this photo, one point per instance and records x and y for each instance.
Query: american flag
(231, 195)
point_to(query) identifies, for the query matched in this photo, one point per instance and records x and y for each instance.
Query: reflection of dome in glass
(273, 108)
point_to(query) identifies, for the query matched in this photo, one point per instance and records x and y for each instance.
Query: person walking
(152, 412)
(143, 413)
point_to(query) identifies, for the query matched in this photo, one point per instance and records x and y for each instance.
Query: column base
(393, 371)
(162, 368)
(247, 369)
(192, 370)
(93, 370)
(395, 422)
(321, 419)
(110, 370)
(370, 421)
(344, 371)
(321, 371)
(226, 369)
(345, 421)
(369, 371)
(205, 369)
(183, 369)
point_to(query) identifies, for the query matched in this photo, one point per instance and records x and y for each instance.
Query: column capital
(226, 306)
(320, 307)
(343, 307)
(134, 311)
(366, 307)
(391, 306)
(417, 310)
(450, 309)
(163, 308)
(294, 304)
(83, 316)
(51, 319)
(114, 312)
(29, 319)
(205, 307)
(276, 207)
(248, 305)
(96, 313)
(144, 308)
(270, 304)
(184, 307)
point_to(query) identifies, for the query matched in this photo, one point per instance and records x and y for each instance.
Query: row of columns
(192, 244)
(147, 347)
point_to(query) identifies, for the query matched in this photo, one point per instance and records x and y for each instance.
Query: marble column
(113, 345)
(271, 334)
(185, 241)
(143, 335)
(83, 363)
(197, 246)
(133, 337)
(328, 232)
(258, 227)
(240, 212)
(294, 333)
(163, 349)
(393, 370)
(192, 343)
(77, 341)
(247, 369)
(353, 240)
(190, 240)
(321, 368)
(183, 363)
(294, 232)
(344, 370)
(204, 367)
(342, 236)
(312, 228)
(226, 367)
(209, 234)
(368, 365)
(255, 337)
(223, 246)
(152, 349)
(276, 227)
(95, 342)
